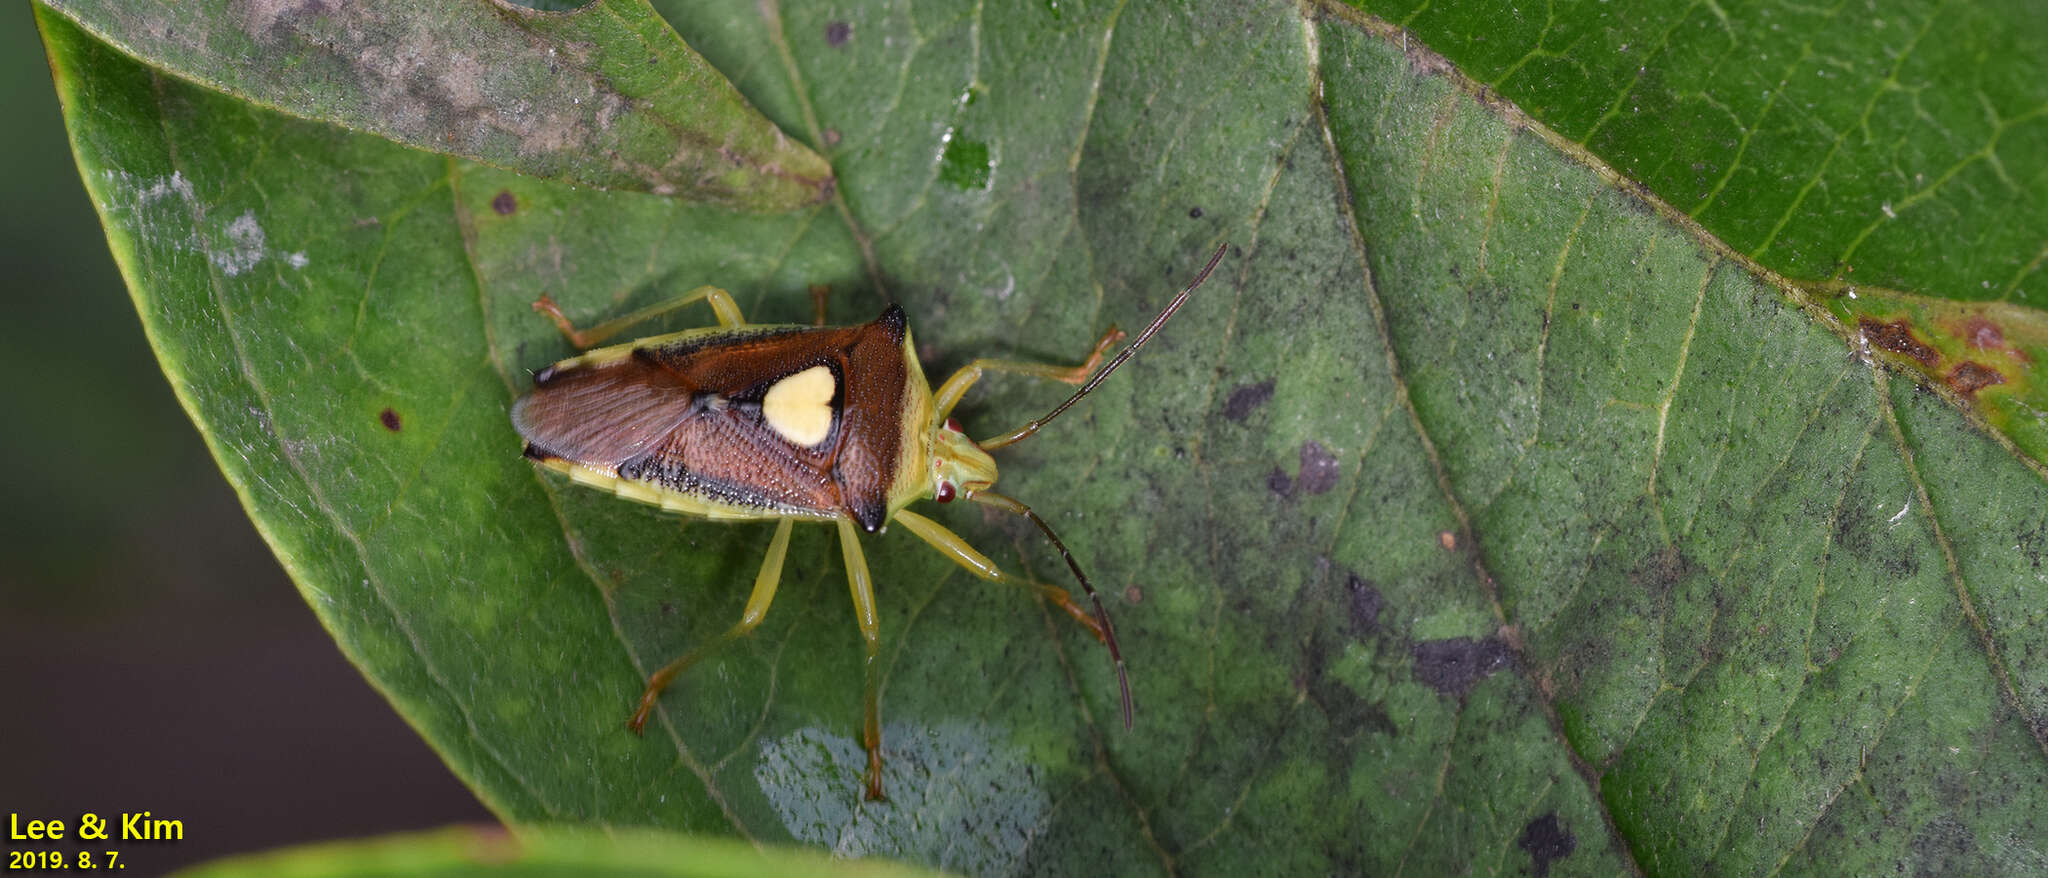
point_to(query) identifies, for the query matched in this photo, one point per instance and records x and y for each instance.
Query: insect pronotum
(783, 422)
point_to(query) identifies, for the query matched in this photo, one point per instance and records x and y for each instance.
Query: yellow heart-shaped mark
(799, 407)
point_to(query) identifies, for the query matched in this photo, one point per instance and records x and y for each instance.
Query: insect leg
(990, 498)
(819, 293)
(722, 305)
(949, 394)
(871, 637)
(952, 546)
(757, 608)
(994, 442)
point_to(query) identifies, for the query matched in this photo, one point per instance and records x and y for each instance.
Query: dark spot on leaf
(1661, 570)
(1194, 213)
(1969, 377)
(1575, 306)
(1278, 482)
(668, 609)
(1454, 666)
(1365, 603)
(1134, 594)
(505, 204)
(836, 33)
(1318, 468)
(1546, 840)
(2033, 545)
(389, 419)
(1944, 847)
(1897, 337)
(1246, 397)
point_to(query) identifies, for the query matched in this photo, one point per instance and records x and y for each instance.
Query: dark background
(155, 655)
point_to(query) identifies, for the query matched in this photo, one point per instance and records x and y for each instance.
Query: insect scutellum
(766, 422)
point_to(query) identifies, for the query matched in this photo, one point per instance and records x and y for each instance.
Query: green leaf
(1873, 157)
(605, 96)
(550, 851)
(1481, 514)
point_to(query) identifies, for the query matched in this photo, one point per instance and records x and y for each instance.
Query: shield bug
(783, 422)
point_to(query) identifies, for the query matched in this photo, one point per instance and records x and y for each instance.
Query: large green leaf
(1481, 514)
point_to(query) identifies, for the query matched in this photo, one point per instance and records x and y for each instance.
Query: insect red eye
(953, 424)
(943, 493)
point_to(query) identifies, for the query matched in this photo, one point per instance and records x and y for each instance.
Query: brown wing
(601, 415)
(727, 456)
(687, 416)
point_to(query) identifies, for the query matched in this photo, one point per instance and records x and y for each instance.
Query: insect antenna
(991, 498)
(1125, 354)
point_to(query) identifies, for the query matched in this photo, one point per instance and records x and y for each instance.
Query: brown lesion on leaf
(1318, 474)
(1319, 468)
(1979, 355)
(1968, 377)
(1898, 338)
(389, 419)
(1982, 334)
(1982, 354)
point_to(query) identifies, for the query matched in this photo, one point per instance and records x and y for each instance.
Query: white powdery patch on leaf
(958, 799)
(166, 212)
(242, 247)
